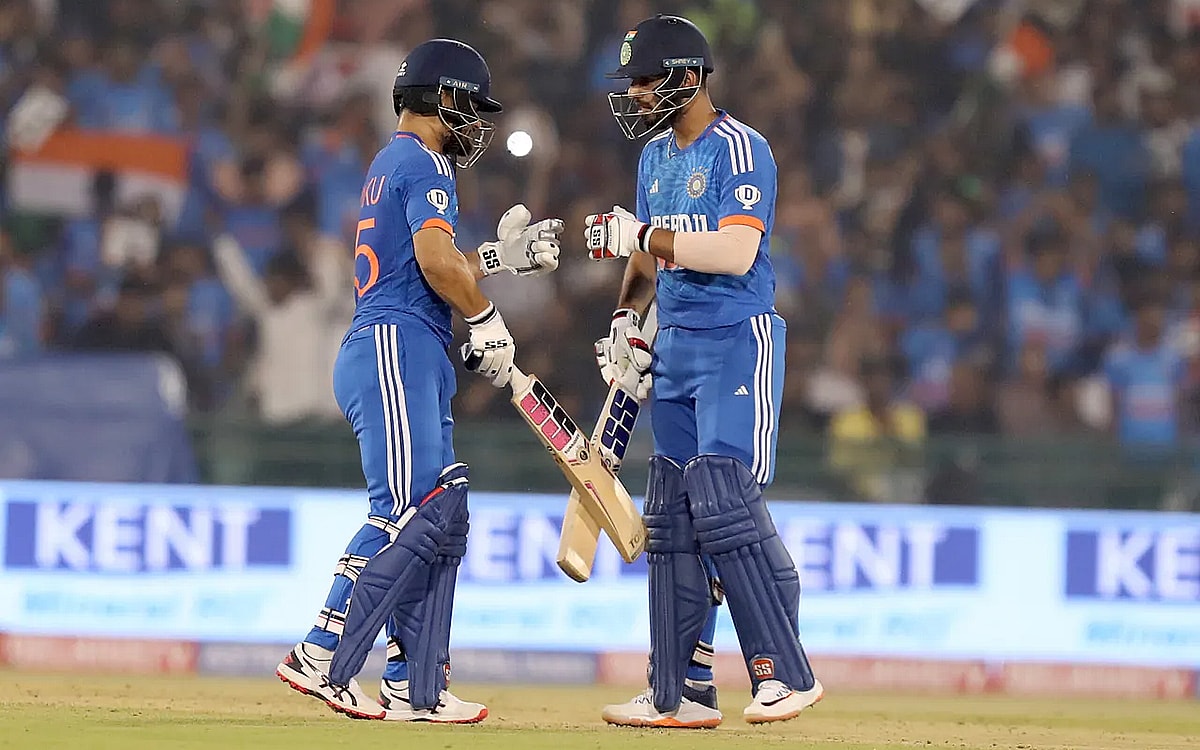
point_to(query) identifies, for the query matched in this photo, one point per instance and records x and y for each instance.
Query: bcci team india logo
(626, 49)
(697, 183)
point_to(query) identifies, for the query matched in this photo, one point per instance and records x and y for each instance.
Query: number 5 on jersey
(363, 250)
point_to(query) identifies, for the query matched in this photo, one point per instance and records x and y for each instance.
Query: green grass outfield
(138, 713)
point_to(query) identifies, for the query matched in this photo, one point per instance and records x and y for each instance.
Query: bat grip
(519, 380)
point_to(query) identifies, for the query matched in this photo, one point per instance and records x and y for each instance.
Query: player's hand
(522, 248)
(617, 234)
(491, 349)
(624, 348)
(644, 384)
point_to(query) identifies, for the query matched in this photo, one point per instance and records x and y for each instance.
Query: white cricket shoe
(775, 701)
(302, 667)
(393, 696)
(640, 712)
(347, 699)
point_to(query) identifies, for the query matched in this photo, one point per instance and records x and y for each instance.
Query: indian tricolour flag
(57, 176)
(295, 28)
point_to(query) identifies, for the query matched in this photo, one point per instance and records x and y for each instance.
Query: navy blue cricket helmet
(441, 66)
(663, 47)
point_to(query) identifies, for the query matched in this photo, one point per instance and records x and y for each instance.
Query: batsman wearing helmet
(698, 244)
(394, 380)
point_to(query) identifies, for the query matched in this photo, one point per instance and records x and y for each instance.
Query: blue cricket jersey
(408, 188)
(726, 176)
(1145, 382)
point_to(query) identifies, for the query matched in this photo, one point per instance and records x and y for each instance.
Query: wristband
(486, 316)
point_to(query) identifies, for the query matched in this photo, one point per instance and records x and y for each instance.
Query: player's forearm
(729, 251)
(637, 288)
(452, 276)
(473, 261)
(237, 275)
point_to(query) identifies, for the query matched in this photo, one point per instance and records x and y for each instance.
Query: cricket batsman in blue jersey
(394, 380)
(698, 244)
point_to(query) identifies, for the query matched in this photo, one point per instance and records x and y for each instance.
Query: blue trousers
(717, 390)
(394, 383)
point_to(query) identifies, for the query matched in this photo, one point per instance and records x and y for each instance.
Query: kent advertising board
(226, 564)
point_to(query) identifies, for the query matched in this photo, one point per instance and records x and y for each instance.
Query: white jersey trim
(741, 155)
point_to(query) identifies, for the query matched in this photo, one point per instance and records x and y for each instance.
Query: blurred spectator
(952, 251)
(130, 326)
(1032, 403)
(1111, 147)
(932, 348)
(856, 333)
(254, 220)
(123, 93)
(1145, 375)
(291, 375)
(968, 410)
(21, 305)
(1045, 301)
(876, 447)
(335, 159)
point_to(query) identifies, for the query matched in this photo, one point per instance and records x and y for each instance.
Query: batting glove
(522, 248)
(624, 348)
(491, 348)
(617, 234)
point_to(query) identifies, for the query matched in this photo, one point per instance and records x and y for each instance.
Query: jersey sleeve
(428, 190)
(642, 209)
(747, 175)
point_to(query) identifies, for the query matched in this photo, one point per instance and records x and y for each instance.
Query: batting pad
(429, 659)
(680, 592)
(762, 587)
(397, 578)
(331, 620)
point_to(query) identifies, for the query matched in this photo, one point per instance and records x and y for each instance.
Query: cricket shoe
(393, 696)
(347, 699)
(775, 701)
(302, 668)
(640, 712)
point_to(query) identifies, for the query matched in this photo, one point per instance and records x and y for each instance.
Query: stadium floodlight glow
(520, 144)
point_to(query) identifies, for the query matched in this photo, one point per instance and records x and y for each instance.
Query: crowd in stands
(987, 219)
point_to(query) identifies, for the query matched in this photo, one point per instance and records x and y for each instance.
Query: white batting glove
(625, 347)
(617, 234)
(491, 348)
(522, 248)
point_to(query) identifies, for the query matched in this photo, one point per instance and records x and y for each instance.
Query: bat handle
(471, 359)
(519, 380)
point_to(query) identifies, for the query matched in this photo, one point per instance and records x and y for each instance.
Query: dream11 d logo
(137, 537)
(1158, 565)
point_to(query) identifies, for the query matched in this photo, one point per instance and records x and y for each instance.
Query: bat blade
(580, 537)
(600, 493)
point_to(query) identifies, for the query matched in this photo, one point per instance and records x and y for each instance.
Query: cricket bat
(581, 530)
(600, 493)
